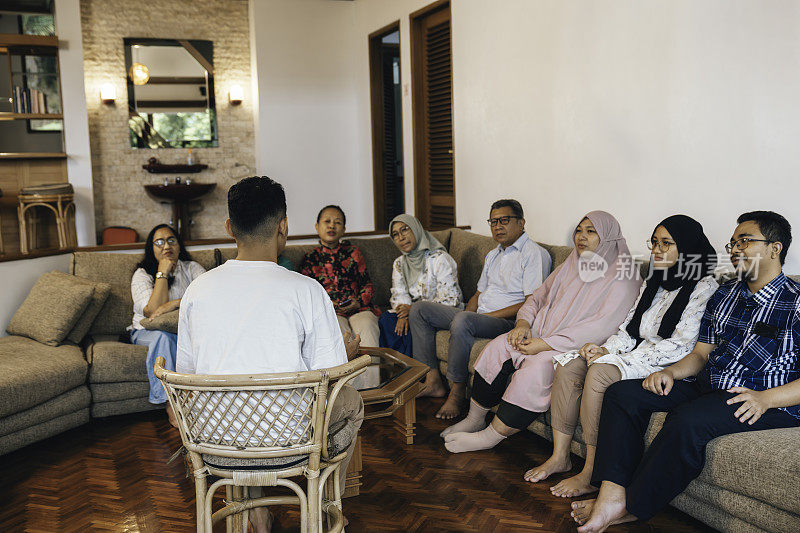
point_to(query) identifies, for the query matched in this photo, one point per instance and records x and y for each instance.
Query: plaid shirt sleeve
(708, 333)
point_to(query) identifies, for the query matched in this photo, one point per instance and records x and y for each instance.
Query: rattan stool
(59, 198)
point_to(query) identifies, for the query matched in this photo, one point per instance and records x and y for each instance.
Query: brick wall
(118, 176)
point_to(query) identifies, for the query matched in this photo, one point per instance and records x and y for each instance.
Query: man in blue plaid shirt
(742, 375)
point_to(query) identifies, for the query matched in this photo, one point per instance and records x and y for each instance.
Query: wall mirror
(170, 93)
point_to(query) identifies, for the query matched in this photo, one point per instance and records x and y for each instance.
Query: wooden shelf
(7, 115)
(13, 39)
(33, 155)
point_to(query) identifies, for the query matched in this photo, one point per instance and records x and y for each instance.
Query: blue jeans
(426, 318)
(390, 339)
(159, 343)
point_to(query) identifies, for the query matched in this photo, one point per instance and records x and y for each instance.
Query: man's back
(252, 317)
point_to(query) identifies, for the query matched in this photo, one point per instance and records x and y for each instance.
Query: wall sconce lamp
(236, 95)
(108, 94)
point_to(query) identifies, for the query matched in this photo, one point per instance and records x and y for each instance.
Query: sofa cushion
(166, 322)
(99, 297)
(204, 257)
(116, 269)
(71, 401)
(558, 254)
(733, 512)
(768, 460)
(469, 250)
(379, 254)
(51, 309)
(114, 361)
(32, 373)
(115, 392)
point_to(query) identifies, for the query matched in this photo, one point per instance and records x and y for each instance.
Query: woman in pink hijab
(585, 299)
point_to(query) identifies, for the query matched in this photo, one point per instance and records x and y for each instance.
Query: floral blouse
(342, 271)
(654, 353)
(438, 283)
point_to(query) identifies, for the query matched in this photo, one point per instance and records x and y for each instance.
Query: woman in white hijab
(424, 272)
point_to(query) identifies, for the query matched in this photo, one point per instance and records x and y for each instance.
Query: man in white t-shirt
(251, 316)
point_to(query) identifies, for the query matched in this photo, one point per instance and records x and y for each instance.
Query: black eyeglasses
(172, 241)
(743, 243)
(662, 246)
(503, 221)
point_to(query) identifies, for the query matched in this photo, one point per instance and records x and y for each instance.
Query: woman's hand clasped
(518, 335)
(166, 308)
(589, 352)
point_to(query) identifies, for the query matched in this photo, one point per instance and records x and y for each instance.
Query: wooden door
(387, 144)
(433, 117)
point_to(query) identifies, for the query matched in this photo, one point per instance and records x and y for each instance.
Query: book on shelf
(29, 101)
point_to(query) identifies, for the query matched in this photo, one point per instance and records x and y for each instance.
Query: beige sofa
(751, 481)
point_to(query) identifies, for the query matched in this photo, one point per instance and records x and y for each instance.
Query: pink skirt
(532, 381)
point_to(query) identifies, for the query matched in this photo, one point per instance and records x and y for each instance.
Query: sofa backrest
(468, 249)
(117, 269)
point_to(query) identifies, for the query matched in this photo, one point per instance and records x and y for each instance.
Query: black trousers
(490, 394)
(697, 414)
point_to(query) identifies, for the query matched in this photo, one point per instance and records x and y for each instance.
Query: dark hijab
(149, 262)
(697, 260)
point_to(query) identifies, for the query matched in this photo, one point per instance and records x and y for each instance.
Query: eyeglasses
(503, 221)
(663, 246)
(742, 243)
(402, 232)
(172, 241)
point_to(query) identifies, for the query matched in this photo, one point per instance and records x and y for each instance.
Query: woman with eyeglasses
(660, 329)
(157, 287)
(424, 272)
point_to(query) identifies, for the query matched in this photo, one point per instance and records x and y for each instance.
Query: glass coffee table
(399, 382)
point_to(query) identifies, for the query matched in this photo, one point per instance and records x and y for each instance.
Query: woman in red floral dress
(340, 267)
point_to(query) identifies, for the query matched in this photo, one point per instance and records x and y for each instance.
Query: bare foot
(554, 465)
(605, 512)
(432, 391)
(452, 407)
(574, 486)
(581, 511)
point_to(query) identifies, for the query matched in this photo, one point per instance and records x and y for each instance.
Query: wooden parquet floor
(111, 475)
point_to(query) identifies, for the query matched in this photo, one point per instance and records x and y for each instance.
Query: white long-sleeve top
(438, 283)
(142, 285)
(654, 353)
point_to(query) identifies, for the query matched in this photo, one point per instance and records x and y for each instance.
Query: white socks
(471, 442)
(475, 421)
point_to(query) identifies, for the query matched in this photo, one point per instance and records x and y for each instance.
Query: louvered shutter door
(438, 139)
(394, 185)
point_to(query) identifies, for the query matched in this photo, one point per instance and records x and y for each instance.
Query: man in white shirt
(251, 316)
(511, 272)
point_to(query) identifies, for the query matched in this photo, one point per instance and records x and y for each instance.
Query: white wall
(76, 124)
(17, 278)
(643, 109)
(307, 131)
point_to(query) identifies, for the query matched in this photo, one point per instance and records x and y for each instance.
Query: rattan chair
(265, 429)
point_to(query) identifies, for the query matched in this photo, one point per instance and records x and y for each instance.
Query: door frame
(421, 189)
(378, 123)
